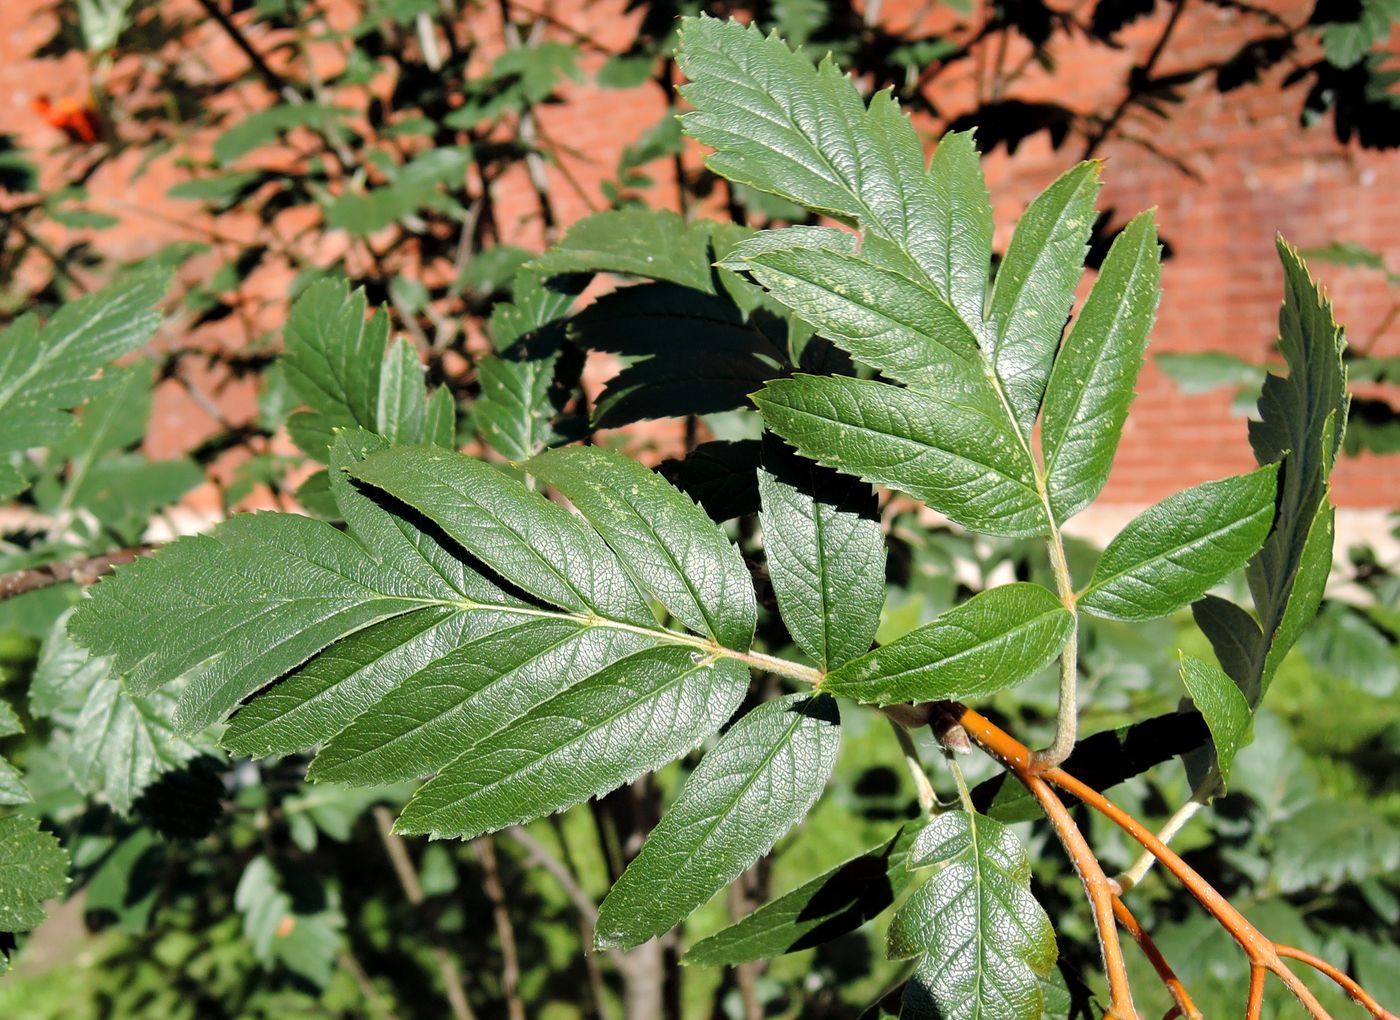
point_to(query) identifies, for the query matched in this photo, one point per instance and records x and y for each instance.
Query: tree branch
(1261, 951)
(1184, 1006)
(84, 571)
(413, 892)
(485, 851)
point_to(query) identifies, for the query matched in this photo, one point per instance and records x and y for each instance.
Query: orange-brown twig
(1254, 1005)
(1358, 994)
(1184, 1006)
(1096, 885)
(1262, 952)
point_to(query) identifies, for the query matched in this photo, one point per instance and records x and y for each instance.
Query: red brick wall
(1256, 172)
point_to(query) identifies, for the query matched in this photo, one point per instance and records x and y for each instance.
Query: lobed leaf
(112, 742)
(349, 373)
(518, 402)
(12, 787)
(33, 868)
(46, 371)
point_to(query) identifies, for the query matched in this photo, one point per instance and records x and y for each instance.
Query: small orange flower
(76, 118)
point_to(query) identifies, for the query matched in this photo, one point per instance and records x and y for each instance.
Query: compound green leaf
(403, 396)
(397, 658)
(113, 743)
(755, 784)
(664, 539)
(1174, 552)
(1224, 707)
(722, 476)
(334, 356)
(833, 904)
(948, 448)
(516, 409)
(346, 369)
(529, 541)
(995, 640)
(1034, 289)
(45, 372)
(645, 710)
(1091, 383)
(826, 555)
(984, 942)
(33, 868)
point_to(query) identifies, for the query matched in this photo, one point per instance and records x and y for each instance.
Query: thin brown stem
(1184, 1006)
(84, 571)
(274, 81)
(1358, 994)
(1260, 950)
(1096, 886)
(485, 851)
(1254, 1005)
(407, 875)
(536, 853)
(1143, 74)
(377, 1006)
